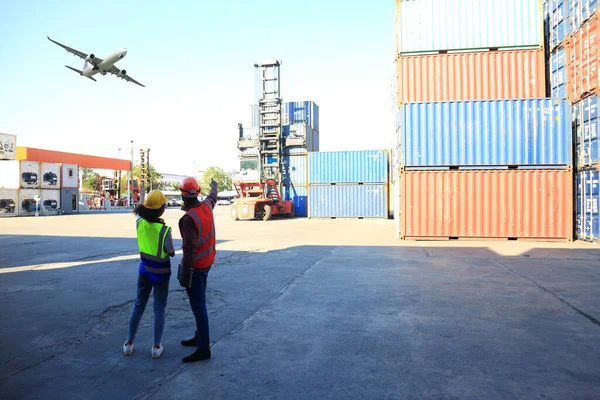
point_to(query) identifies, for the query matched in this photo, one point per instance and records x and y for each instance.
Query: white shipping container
(50, 201)
(50, 175)
(8, 146)
(9, 174)
(9, 199)
(27, 203)
(30, 175)
(69, 175)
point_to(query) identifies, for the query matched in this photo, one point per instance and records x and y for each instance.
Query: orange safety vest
(204, 252)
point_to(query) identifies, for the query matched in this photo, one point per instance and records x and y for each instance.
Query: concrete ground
(300, 309)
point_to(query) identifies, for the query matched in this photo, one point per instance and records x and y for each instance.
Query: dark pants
(197, 295)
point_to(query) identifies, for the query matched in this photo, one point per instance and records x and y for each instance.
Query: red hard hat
(189, 187)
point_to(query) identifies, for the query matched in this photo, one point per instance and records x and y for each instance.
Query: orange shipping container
(583, 59)
(487, 204)
(489, 75)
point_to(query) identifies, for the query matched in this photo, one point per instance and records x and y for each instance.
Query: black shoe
(190, 342)
(198, 355)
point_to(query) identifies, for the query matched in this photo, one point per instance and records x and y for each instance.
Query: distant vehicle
(226, 198)
(94, 65)
(173, 203)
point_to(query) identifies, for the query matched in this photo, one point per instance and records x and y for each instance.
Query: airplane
(94, 65)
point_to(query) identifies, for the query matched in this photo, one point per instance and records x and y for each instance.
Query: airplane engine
(122, 72)
(90, 57)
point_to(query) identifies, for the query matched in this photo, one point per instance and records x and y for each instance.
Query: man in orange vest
(197, 229)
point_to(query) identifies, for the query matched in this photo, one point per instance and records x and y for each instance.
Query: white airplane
(94, 65)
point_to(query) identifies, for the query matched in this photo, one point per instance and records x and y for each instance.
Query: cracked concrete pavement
(300, 309)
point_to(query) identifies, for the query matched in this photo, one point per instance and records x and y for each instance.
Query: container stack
(69, 188)
(480, 152)
(50, 185)
(580, 77)
(9, 176)
(348, 184)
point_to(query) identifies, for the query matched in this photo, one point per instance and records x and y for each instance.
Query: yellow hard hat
(155, 200)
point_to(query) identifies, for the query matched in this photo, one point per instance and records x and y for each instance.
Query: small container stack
(480, 152)
(348, 184)
(69, 188)
(9, 176)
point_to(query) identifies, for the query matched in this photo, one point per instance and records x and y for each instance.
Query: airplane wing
(69, 49)
(117, 72)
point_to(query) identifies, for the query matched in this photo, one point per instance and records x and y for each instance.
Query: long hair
(149, 214)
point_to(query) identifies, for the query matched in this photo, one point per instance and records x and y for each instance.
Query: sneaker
(157, 352)
(128, 349)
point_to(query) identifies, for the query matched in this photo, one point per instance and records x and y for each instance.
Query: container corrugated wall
(486, 133)
(471, 76)
(368, 166)
(588, 205)
(558, 73)
(558, 24)
(295, 170)
(583, 60)
(525, 204)
(299, 195)
(301, 111)
(587, 131)
(348, 201)
(9, 202)
(579, 11)
(432, 25)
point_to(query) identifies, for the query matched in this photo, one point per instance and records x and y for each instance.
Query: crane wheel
(292, 213)
(234, 214)
(267, 212)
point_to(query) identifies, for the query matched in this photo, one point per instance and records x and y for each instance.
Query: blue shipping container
(588, 205)
(348, 201)
(299, 195)
(303, 130)
(558, 73)
(367, 166)
(301, 111)
(524, 132)
(587, 137)
(295, 170)
(559, 21)
(579, 12)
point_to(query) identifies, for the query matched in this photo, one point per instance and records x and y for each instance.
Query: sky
(196, 59)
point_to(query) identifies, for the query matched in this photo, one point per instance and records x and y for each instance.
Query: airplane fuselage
(105, 65)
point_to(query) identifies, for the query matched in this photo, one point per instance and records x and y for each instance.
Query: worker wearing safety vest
(155, 244)
(197, 229)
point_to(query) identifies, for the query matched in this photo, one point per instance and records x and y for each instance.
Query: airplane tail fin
(79, 72)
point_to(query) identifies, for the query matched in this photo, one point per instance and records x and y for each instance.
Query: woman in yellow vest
(155, 243)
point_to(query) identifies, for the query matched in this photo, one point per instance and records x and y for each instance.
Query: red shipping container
(487, 204)
(488, 75)
(583, 57)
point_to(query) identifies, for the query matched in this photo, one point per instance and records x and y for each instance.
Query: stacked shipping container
(9, 176)
(573, 63)
(479, 152)
(348, 184)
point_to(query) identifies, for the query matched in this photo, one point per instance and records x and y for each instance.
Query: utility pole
(130, 194)
(148, 167)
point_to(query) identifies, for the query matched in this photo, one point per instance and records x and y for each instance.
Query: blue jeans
(197, 295)
(161, 292)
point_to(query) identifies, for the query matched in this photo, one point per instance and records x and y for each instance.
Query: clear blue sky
(196, 59)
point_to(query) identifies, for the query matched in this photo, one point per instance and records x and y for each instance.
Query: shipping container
(69, 174)
(367, 166)
(301, 132)
(9, 174)
(348, 201)
(588, 205)
(471, 76)
(433, 25)
(295, 170)
(50, 201)
(524, 132)
(558, 73)
(30, 175)
(50, 174)
(8, 146)
(299, 195)
(300, 111)
(579, 12)
(487, 204)
(587, 138)
(396, 207)
(9, 200)
(69, 200)
(558, 27)
(27, 202)
(583, 55)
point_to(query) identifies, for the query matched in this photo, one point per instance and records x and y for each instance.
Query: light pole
(130, 194)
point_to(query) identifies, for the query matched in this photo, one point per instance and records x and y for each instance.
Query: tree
(89, 178)
(175, 186)
(216, 173)
(155, 178)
